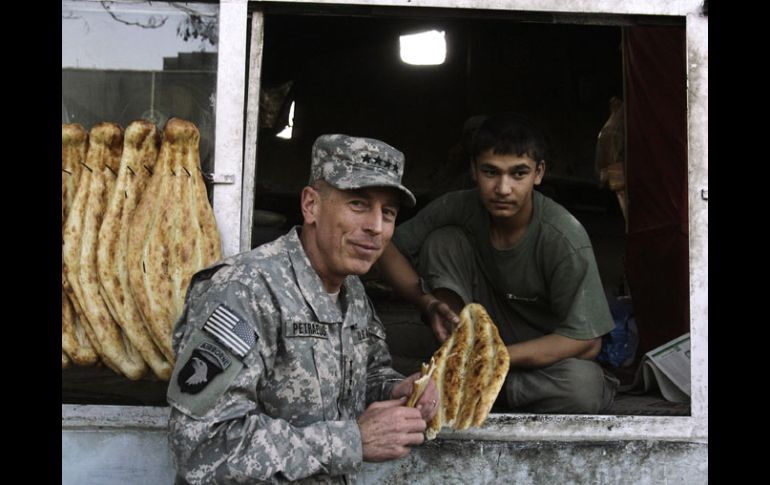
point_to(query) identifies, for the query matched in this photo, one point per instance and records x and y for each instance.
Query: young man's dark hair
(509, 134)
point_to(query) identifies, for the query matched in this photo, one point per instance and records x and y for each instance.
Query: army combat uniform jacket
(271, 374)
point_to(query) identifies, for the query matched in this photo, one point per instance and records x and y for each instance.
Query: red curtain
(656, 182)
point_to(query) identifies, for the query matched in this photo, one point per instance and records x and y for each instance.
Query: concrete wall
(115, 457)
(543, 462)
(126, 457)
(125, 445)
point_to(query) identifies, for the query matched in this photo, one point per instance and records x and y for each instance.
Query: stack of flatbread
(75, 344)
(469, 370)
(173, 233)
(106, 177)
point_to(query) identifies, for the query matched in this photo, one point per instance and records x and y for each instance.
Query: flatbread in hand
(469, 370)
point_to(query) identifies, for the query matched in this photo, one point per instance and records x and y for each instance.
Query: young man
(282, 369)
(522, 256)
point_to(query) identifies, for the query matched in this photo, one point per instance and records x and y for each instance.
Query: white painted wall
(115, 457)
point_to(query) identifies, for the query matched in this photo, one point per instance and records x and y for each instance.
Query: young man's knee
(584, 386)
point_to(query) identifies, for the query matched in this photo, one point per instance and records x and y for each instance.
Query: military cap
(348, 162)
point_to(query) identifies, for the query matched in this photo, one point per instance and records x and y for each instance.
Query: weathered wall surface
(141, 457)
(539, 462)
(115, 457)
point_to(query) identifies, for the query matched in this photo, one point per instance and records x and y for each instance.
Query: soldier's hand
(389, 429)
(428, 402)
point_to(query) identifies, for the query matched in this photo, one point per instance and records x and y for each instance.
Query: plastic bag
(620, 344)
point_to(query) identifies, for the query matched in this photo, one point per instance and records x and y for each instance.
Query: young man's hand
(441, 319)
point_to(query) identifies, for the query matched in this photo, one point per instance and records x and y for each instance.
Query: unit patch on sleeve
(230, 330)
(205, 363)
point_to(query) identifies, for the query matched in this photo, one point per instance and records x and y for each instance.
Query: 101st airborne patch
(205, 363)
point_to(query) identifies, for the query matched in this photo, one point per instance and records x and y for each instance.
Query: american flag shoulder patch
(230, 330)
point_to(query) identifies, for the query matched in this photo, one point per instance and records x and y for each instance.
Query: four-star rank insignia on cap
(380, 162)
(205, 363)
(230, 330)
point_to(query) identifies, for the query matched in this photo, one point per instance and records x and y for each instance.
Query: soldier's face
(352, 229)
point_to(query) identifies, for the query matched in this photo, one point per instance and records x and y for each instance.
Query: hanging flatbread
(469, 370)
(74, 144)
(80, 244)
(140, 152)
(172, 235)
(75, 341)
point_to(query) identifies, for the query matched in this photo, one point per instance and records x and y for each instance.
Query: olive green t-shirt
(549, 280)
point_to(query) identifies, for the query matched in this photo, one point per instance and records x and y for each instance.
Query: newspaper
(668, 368)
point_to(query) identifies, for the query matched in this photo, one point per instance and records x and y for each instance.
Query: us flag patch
(230, 330)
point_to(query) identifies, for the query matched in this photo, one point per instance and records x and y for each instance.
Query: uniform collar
(309, 282)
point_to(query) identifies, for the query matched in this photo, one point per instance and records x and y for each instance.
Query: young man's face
(505, 184)
(353, 227)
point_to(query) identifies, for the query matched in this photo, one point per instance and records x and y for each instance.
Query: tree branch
(154, 22)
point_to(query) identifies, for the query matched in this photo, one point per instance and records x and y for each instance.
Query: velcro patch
(205, 363)
(360, 335)
(230, 330)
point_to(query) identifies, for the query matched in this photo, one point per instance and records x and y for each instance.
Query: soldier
(282, 369)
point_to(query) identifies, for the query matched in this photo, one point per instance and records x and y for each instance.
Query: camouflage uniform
(285, 409)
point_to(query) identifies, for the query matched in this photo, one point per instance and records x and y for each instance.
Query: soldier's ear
(309, 204)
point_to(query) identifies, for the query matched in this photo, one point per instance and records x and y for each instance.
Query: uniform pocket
(301, 386)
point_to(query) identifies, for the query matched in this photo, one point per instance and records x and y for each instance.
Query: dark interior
(347, 77)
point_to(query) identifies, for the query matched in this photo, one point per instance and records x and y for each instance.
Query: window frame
(235, 153)
(507, 427)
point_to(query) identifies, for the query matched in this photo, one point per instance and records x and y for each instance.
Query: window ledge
(498, 427)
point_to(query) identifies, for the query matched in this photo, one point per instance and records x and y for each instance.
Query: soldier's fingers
(391, 403)
(428, 410)
(404, 388)
(411, 424)
(427, 402)
(414, 377)
(398, 414)
(412, 439)
(400, 451)
(428, 413)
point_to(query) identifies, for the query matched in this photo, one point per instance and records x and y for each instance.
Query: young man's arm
(551, 348)
(398, 272)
